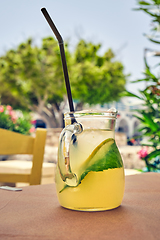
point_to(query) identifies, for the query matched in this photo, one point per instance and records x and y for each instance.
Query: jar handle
(68, 134)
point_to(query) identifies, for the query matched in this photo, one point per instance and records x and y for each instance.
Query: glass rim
(110, 113)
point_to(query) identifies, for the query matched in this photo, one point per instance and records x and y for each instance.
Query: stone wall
(53, 136)
(52, 144)
(130, 157)
(128, 153)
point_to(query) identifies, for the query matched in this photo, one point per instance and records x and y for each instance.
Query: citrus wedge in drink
(104, 156)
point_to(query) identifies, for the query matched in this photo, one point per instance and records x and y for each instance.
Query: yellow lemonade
(97, 191)
(97, 165)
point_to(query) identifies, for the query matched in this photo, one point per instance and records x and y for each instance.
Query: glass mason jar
(90, 172)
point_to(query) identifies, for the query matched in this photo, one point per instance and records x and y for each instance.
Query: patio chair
(12, 143)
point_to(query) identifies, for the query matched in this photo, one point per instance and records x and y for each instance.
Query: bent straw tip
(43, 9)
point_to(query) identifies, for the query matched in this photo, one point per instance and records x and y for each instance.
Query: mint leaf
(103, 159)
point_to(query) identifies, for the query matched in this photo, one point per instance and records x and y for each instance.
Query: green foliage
(10, 121)
(152, 9)
(149, 115)
(32, 77)
(33, 73)
(94, 77)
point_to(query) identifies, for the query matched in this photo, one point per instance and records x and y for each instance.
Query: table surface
(35, 213)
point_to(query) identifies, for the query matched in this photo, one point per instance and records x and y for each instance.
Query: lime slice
(105, 156)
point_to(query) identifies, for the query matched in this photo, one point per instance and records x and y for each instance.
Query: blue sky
(114, 24)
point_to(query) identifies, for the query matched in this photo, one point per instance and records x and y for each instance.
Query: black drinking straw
(63, 58)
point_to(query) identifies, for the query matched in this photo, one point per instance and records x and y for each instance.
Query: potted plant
(15, 121)
(149, 115)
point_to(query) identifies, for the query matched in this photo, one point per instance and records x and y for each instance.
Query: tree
(34, 77)
(8, 80)
(94, 77)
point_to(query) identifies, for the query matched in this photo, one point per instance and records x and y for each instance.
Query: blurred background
(113, 24)
(108, 45)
